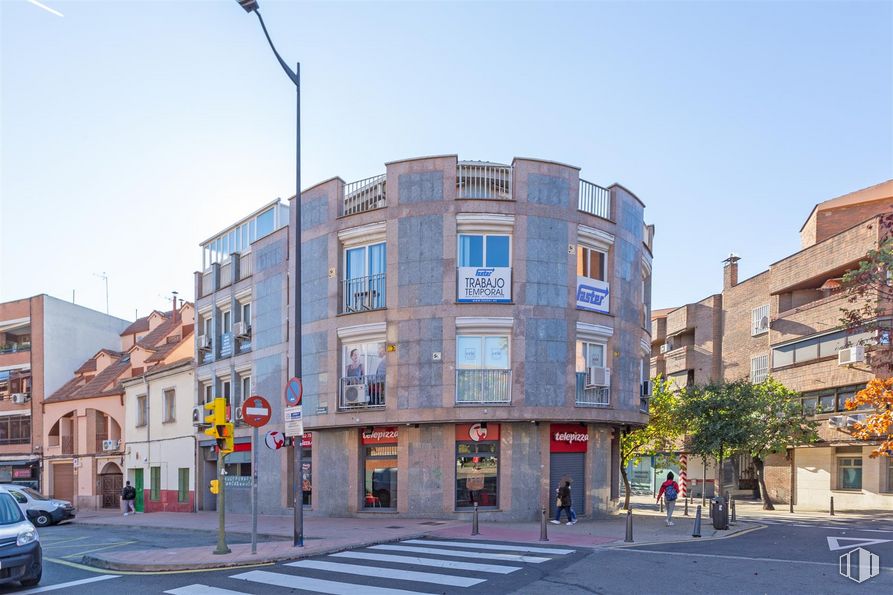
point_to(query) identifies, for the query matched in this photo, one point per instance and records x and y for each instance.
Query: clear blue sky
(131, 131)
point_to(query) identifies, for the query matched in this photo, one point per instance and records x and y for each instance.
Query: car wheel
(31, 582)
(42, 519)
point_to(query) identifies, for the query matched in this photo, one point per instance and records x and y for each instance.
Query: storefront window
(306, 476)
(477, 473)
(380, 476)
(849, 473)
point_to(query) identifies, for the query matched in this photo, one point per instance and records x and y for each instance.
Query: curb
(97, 561)
(691, 539)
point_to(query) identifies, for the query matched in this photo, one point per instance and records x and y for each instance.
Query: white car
(21, 556)
(39, 509)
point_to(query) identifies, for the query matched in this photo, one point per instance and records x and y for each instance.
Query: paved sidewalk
(329, 535)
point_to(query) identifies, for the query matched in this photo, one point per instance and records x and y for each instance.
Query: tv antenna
(104, 276)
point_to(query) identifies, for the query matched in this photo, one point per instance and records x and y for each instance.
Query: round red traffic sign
(294, 391)
(256, 411)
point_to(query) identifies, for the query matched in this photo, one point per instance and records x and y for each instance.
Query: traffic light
(215, 486)
(221, 429)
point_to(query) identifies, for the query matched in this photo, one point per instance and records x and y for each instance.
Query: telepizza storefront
(567, 461)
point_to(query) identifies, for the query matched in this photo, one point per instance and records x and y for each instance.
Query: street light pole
(295, 76)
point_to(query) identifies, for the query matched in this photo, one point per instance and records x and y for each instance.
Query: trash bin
(719, 512)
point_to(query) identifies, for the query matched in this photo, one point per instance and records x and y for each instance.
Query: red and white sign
(274, 440)
(477, 433)
(294, 391)
(256, 411)
(307, 440)
(568, 438)
(381, 435)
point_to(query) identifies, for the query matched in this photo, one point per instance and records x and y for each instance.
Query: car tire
(33, 581)
(42, 519)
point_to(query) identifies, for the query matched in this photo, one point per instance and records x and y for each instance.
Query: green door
(138, 486)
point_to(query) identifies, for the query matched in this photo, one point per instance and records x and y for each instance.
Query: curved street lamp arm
(291, 73)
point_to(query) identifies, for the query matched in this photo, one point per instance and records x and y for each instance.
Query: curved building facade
(473, 333)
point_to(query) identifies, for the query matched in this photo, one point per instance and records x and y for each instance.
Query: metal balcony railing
(364, 195)
(363, 294)
(361, 392)
(15, 347)
(591, 396)
(483, 386)
(67, 445)
(480, 179)
(594, 200)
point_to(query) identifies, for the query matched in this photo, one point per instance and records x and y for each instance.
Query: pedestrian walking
(128, 495)
(670, 491)
(564, 502)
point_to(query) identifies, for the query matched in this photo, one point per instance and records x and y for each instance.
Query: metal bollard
(629, 527)
(732, 505)
(696, 532)
(474, 520)
(661, 501)
(832, 505)
(543, 534)
(686, 507)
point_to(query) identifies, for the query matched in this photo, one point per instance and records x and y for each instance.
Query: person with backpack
(670, 491)
(128, 495)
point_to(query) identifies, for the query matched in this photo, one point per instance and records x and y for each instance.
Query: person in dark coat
(566, 504)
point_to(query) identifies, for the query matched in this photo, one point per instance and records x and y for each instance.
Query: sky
(132, 131)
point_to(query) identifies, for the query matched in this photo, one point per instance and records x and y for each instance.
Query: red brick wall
(834, 221)
(168, 502)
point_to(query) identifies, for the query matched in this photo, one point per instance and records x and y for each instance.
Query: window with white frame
(759, 320)
(484, 257)
(759, 368)
(226, 321)
(169, 405)
(207, 391)
(363, 367)
(591, 263)
(364, 268)
(593, 287)
(244, 390)
(142, 411)
(483, 368)
(225, 390)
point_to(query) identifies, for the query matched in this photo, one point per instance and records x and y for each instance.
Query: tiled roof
(163, 350)
(142, 324)
(104, 383)
(159, 333)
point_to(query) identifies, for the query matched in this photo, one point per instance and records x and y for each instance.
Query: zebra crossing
(410, 567)
(858, 524)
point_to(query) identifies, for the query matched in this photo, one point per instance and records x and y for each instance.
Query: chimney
(174, 310)
(730, 271)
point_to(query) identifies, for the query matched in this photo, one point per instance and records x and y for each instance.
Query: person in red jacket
(669, 489)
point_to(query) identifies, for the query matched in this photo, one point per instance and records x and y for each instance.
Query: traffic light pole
(221, 512)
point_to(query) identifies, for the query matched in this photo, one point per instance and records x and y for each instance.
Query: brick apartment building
(785, 322)
(41, 340)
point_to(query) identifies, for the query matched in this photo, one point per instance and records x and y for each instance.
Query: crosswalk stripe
(461, 553)
(56, 587)
(416, 561)
(492, 546)
(393, 573)
(203, 590)
(291, 581)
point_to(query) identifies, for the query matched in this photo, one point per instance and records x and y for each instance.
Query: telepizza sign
(479, 432)
(380, 435)
(568, 438)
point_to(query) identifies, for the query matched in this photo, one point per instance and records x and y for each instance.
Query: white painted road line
(416, 561)
(834, 542)
(203, 590)
(316, 585)
(392, 573)
(83, 581)
(461, 553)
(725, 557)
(492, 546)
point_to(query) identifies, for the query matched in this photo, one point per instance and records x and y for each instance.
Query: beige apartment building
(785, 322)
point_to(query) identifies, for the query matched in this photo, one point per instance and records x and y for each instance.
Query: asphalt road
(784, 557)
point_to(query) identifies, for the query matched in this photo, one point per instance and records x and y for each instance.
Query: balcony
(680, 319)
(483, 180)
(483, 387)
(364, 195)
(361, 392)
(680, 359)
(594, 200)
(363, 294)
(591, 396)
(15, 347)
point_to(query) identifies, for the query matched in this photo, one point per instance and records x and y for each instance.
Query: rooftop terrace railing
(594, 200)
(364, 195)
(483, 180)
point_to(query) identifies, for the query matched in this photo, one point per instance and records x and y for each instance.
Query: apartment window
(484, 273)
(15, 429)
(590, 355)
(207, 392)
(365, 276)
(155, 483)
(169, 412)
(363, 371)
(759, 320)
(830, 400)
(183, 484)
(887, 473)
(849, 468)
(142, 411)
(484, 250)
(246, 313)
(592, 375)
(244, 391)
(483, 374)
(225, 390)
(759, 368)
(816, 348)
(591, 263)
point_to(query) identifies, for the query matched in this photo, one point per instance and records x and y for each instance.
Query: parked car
(39, 509)
(21, 556)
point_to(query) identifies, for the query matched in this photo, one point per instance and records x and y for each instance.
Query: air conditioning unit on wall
(20, 398)
(242, 330)
(851, 355)
(204, 342)
(599, 377)
(108, 445)
(356, 393)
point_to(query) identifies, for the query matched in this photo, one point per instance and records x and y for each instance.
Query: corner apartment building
(85, 447)
(41, 340)
(240, 349)
(473, 333)
(785, 322)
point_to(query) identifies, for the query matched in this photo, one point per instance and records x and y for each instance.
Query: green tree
(773, 422)
(658, 436)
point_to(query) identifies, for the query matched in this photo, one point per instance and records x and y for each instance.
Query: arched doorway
(111, 480)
